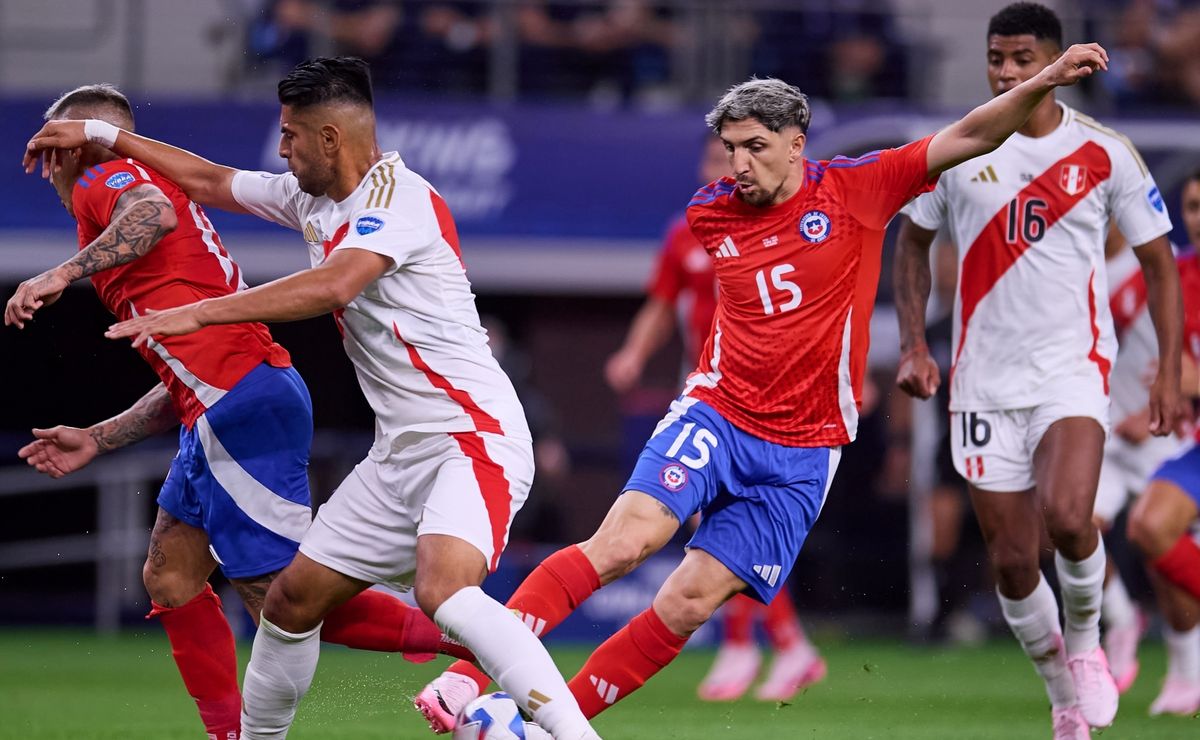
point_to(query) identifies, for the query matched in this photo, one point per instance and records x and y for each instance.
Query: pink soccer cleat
(731, 674)
(1094, 687)
(443, 699)
(1120, 645)
(794, 669)
(1069, 724)
(1178, 696)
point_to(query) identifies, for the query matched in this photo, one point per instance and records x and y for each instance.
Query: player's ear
(796, 147)
(331, 139)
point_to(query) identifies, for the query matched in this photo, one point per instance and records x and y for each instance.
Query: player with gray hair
(754, 439)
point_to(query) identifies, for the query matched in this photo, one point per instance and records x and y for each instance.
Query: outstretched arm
(987, 127)
(918, 373)
(141, 217)
(205, 182)
(651, 328)
(62, 450)
(325, 288)
(1166, 310)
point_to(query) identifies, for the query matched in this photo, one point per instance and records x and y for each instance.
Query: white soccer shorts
(994, 450)
(1127, 469)
(467, 485)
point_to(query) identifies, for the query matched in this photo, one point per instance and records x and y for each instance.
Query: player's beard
(316, 180)
(759, 197)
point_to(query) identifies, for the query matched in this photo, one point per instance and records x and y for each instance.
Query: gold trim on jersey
(1095, 125)
(383, 185)
(310, 234)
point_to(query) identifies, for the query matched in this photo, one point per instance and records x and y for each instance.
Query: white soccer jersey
(413, 335)
(1137, 353)
(1029, 221)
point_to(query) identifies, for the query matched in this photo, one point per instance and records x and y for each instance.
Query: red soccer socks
(373, 620)
(1181, 564)
(203, 648)
(624, 662)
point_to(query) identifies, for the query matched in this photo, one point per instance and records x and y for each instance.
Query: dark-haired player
(755, 438)
(237, 492)
(1033, 346)
(1163, 523)
(452, 461)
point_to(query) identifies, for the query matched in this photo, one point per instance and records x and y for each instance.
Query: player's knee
(1150, 532)
(289, 608)
(1069, 520)
(167, 587)
(684, 611)
(431, 593)
(1015, 572)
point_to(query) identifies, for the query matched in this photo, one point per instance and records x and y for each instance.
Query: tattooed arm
(142, 216)
(63, 450)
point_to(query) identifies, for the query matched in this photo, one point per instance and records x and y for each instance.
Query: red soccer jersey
(685, 277)
(788, 349)
(1189, 283)
(187, 265)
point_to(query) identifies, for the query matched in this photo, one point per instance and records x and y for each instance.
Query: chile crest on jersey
(815, 226)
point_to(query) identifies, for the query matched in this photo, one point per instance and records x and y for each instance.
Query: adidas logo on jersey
(310, 234)
(607, 691)
(728, 249)
(987, 174)
(769, 573)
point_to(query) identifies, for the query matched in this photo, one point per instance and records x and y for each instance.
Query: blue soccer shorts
(758, 499)
(1183, 469)
(241, 473)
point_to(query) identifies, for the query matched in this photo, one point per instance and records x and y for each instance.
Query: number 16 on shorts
(970, 432)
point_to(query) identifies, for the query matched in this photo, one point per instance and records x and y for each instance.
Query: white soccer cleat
(1069, 724)
(444, 698)
(793, 670)
(1120, 645)
(1179, 696)
(1094, 686)
(731, 674)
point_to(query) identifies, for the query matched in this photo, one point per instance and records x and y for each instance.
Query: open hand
(54, 135)
(59, 450)
(169, 323)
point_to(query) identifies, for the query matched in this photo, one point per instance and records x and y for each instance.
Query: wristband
(100, 132)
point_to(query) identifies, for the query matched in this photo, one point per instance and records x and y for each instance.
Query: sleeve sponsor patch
(368, 225)
(1155, 199)
(118, 180)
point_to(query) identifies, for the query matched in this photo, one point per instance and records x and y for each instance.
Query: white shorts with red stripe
(994, 450)
(467, 485)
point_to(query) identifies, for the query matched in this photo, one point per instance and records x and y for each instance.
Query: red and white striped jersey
(1029, 221)
(1137, 344)
(185, 266)
(788, 349)
(414, 335)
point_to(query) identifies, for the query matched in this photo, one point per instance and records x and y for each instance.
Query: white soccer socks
(1081, 584)
(281, 669)
(1116, 607)
(1183, 653)
(1034, 622)
(511, 654)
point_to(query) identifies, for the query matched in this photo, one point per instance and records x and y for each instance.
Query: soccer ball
(495, 717)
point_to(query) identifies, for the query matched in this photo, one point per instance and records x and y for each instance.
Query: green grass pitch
(57, 685)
